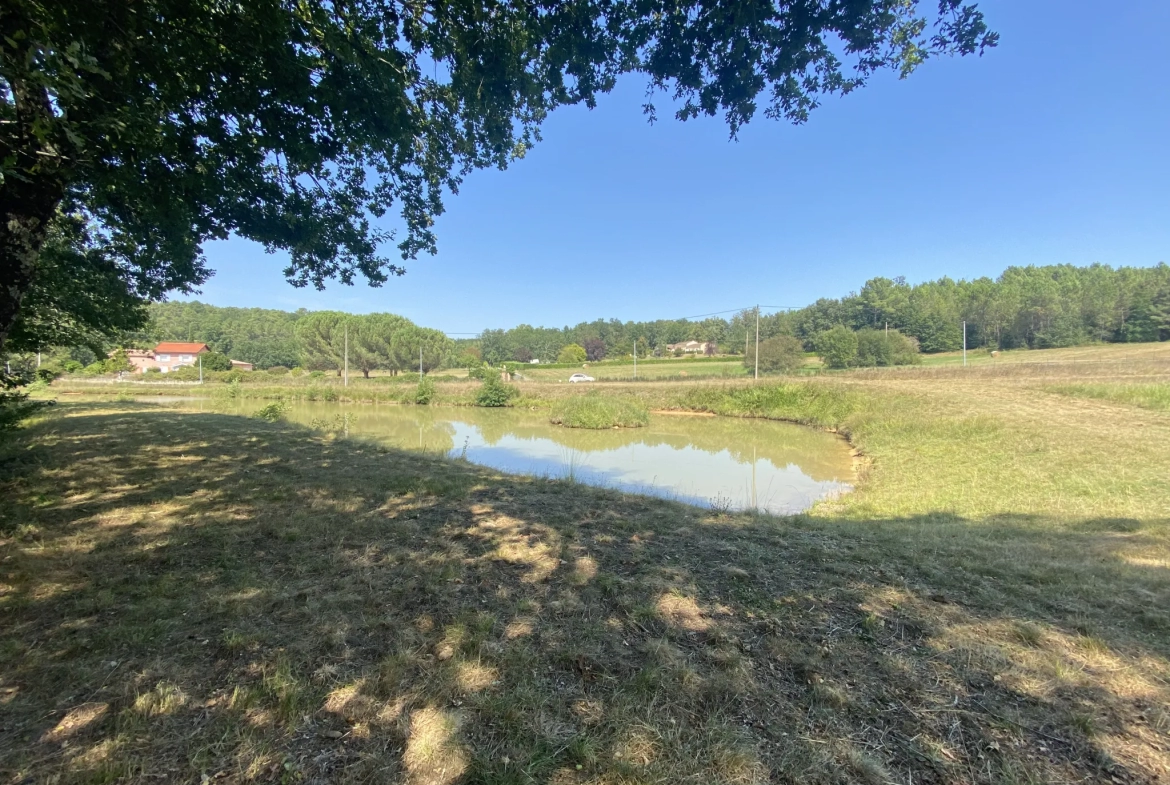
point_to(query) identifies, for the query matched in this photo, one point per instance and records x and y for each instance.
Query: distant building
(140, 359)
(172, 355)
(688, 347)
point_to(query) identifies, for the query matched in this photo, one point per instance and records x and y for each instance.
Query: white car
(580, 377)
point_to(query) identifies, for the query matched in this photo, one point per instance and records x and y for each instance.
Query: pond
(726, 463)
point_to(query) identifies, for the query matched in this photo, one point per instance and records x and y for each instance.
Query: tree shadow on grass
(188, 595)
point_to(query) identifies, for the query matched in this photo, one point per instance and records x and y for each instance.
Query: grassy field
(202, 597)
(1127, 353)
(1148, 396)
(669, 369)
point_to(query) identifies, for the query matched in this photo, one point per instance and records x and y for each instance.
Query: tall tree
(297, 123)
(370, 340)
(414, 345)
(321, 337)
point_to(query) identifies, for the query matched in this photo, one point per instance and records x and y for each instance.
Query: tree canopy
(1035, 307)
(377, 341)
(164, 123)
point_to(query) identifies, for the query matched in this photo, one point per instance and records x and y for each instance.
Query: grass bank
(199, 597)
(1147, 396)
(595, 412)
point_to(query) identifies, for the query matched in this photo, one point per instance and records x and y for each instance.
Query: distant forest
(1035, 307)
(256, 335)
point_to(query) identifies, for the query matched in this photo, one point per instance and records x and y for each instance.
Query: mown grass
(594, 411)
(200, 596)
(1147, 396)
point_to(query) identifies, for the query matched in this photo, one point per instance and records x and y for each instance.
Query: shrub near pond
(425, 392)
(272, 412)
(494, 393)
(597, 412)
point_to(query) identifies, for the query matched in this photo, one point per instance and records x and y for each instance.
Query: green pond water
(707, 461)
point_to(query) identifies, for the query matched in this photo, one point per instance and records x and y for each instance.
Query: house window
(186, 358)
(164, 357)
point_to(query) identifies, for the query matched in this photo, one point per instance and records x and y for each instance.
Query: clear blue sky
(1052, 148)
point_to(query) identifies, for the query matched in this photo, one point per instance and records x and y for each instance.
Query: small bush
(118, 362)
(215, 361)
(95, 368)
(597, 412)
(234, 377)
(837, 346)
(296, 371)
(317, 375)
(47, 374)
(329, 394)
(879, 348)
(278, 370)
(495, 393)
(425, 392)
(72, 366)
(573, 354)
(272, 412)
(779, 354)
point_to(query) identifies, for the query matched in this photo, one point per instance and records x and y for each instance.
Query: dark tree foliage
(300, 123)
(494, 348)
(82, 296)
(594, 349)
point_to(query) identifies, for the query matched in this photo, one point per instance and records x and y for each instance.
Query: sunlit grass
(1147, 396)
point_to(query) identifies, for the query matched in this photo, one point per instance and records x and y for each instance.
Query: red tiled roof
(175, 347)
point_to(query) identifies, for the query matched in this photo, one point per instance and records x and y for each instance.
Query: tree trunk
(32, 189)
(22, 233)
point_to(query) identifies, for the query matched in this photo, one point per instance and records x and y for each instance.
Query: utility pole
(757, 342)
(964, 343)
(420, 362)
(200, 356)
(635, 358)
(345, 371)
